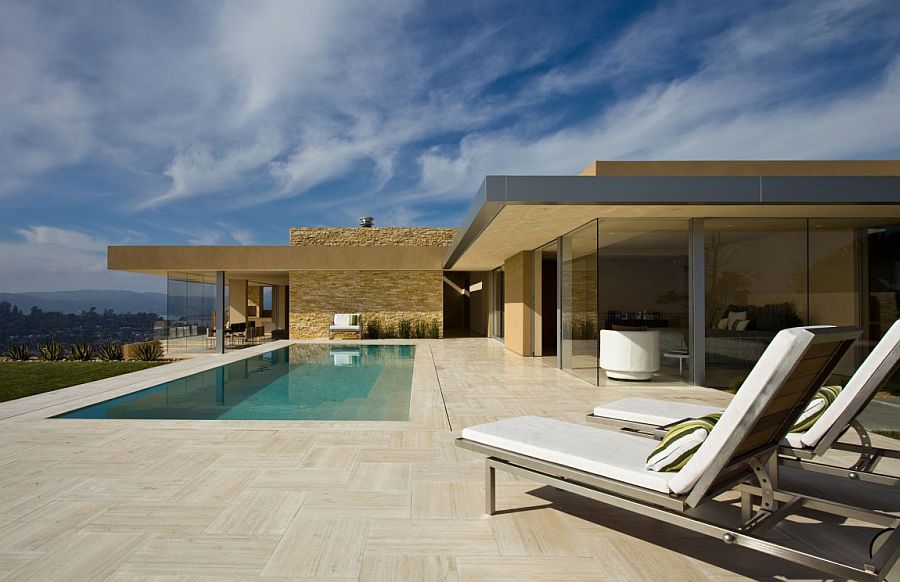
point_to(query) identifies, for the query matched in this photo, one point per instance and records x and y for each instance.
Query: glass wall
(643, 287)
(763, 275)
(756, 285)
(578, 303)
(190, 320)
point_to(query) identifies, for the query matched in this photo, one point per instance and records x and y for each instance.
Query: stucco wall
(391, 296)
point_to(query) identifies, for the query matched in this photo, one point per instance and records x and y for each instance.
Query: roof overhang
(268, 262)
(514, 213)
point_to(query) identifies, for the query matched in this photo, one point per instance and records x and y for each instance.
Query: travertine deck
(238, 500)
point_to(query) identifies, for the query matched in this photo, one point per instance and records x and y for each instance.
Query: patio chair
(609, 466)
(345, 322)
(799, 448)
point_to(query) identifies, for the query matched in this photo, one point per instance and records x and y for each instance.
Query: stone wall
(390, 296)
(367, 237)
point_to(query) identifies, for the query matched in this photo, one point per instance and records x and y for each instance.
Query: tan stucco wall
(517, 303)
(237, 300)
(391, 296)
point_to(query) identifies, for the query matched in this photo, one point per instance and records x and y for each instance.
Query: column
(697, 303)
(220, 312)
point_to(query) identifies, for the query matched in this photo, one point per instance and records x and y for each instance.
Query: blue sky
(214, 122)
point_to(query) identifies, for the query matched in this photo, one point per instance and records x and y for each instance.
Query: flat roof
(514, 213)
(272, 263)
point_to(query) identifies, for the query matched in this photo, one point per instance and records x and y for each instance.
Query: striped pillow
(680, 443)
(816, 408)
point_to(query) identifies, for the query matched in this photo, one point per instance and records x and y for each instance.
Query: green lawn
(20, 379)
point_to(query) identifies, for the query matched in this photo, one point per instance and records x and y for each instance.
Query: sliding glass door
(578, 302)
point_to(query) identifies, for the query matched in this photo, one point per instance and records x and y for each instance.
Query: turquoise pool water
(300, 382)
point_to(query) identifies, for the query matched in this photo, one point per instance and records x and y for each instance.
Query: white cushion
(744, 403)
(722, 323)
(341, 319)
(607, 453)
(651, 411)
(344, 328)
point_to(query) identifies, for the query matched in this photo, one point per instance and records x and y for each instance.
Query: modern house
(667, 267)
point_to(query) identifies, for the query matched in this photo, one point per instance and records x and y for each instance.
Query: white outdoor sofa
(609, 465)
(797, 449)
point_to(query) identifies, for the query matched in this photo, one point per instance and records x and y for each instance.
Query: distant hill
(78, 301)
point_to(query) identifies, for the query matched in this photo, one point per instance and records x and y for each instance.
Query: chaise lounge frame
(864, 468)
(744, 463)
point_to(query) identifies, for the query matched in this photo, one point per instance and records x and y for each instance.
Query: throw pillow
(741, 325)
(816, 408)
(354, 319)
(680, 443)
(734, 317)
(722, 324)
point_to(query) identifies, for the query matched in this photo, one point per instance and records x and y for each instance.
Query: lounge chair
(609, 466)
(345, 322)
(798, 448)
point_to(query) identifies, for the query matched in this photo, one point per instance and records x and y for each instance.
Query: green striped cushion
(680, 443)
(816, 408)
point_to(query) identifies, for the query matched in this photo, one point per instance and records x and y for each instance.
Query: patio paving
(238, 500)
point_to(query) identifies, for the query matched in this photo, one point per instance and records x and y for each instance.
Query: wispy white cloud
(47, 258)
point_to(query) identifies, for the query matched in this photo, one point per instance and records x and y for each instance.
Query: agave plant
(82, 351)
(17, 352)
(147, 351)
(110, 351)
(51, 351)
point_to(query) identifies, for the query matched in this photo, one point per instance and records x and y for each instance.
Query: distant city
(68, 317)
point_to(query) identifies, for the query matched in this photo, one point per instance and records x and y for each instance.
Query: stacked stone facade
(367, 237)
(389, 296)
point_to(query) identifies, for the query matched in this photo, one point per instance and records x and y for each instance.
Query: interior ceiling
(528, 226)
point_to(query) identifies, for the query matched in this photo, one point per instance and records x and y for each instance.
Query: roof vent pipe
(366, 222)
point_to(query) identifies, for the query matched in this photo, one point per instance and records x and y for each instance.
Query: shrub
(420, 329)
(373, 328)
(110, 351)
(434, 329)
(389, 332)
(147, 351)
(404, 328)
(82, 351)
(51, 351)
(17, 352)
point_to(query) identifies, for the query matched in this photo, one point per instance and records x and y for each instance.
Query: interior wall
(479, 303)
(466, 312)
(618, 291)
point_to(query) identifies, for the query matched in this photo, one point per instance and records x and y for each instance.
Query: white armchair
(629, 355)
(345, 322)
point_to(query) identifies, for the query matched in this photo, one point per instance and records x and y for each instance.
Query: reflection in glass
(578, 303)
(756, 285)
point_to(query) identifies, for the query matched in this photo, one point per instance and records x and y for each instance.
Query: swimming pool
(299, 382)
